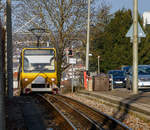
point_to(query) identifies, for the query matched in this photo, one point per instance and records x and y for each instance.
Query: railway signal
(70, 52)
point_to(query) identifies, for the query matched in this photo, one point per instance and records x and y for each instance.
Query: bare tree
(62, 19)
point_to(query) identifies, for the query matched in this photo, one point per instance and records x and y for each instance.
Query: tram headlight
(53, 79)
(26, 79)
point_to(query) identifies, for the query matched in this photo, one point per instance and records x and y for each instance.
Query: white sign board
(72, 60)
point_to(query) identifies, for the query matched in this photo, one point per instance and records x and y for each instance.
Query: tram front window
(39, 61)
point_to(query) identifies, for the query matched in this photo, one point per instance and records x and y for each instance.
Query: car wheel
(124, 86)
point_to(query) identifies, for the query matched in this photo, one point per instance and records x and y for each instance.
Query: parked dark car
(118, 77)
(125, 69)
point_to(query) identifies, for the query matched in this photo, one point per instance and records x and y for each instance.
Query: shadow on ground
(124, 105)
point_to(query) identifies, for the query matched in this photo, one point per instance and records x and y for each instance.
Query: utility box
(66, 86)
(101, 83)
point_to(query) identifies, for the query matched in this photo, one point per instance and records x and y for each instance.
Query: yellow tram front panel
(27, 78)
(38, 67)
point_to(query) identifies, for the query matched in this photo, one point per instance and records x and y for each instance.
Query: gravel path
(130, 120)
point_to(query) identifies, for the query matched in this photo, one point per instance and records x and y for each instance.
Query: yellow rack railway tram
(37, 70)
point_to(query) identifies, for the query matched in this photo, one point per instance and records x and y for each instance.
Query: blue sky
(143, 5)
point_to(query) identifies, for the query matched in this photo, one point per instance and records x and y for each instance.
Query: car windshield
(39, 60)
(117, 73)
(126, 69)
(144, 70)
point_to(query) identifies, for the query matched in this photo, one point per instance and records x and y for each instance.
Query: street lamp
(38, 33)
(88, 37)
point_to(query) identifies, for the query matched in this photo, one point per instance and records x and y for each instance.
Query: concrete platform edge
(125, 106)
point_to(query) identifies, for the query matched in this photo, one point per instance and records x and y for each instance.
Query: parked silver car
(143, 77)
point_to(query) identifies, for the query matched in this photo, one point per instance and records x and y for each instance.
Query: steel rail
(83, 118)
(49, 104)
(106, 121)
(73, 116)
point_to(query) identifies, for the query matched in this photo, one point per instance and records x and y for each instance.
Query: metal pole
(112, 82)
(2, 112)
(38, 41)
(98, 65)
(88, 37)
(67, 57)
(6, 85)
(47, 44)
(9, 49)
(72, 78)
(135, 47)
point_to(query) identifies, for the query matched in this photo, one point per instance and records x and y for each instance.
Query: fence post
(112, 83)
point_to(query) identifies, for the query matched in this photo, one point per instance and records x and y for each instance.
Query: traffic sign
(72, 60)
(140, 32)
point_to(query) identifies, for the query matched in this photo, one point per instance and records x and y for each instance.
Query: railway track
(69, 117)
(79, 116)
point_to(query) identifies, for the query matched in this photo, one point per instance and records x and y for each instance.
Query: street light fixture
(38, 33)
